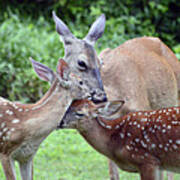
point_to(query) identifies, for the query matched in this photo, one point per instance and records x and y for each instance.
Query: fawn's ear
(62, 69)
(43, 71)
(109, 108)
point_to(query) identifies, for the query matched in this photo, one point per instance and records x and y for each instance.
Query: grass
(65, 155)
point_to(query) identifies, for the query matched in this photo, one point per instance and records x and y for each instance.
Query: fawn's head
(81, 56)
(64, 76)
(85, 110)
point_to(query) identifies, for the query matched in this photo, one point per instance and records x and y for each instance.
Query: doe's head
(64, 76)
(85, 110)
(82, 58)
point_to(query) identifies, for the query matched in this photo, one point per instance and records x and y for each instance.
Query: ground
(65, 155)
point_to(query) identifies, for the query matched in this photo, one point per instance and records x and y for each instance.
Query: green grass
(65, 155)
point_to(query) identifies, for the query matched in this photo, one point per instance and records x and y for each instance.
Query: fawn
(144, 141)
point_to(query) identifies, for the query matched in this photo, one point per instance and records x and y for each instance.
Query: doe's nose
(98, 96)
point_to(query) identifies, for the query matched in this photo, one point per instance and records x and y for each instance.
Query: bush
(27, 29)
(20, 41)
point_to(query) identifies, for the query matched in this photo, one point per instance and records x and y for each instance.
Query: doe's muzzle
(98, 96)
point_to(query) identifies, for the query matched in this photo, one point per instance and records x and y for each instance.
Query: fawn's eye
(82, 65)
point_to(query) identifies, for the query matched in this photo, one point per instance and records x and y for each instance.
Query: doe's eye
(82, 65)
(79, 114)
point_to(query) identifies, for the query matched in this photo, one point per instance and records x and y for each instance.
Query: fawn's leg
(8, 167)
(26, 169)
(113, 171)
(150, 172)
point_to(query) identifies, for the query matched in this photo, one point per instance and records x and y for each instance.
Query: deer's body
(144, 72)
(143, 141)
(140, 72)
(24, 127)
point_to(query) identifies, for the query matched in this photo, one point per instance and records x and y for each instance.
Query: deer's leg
(8, 167)
(150, 172)
(113, 171)
(170, 175)
(26, 169)
(161, 175)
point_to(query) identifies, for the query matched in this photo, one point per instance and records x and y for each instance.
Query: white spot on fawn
(175, 147)
(143, 144)
(14, 121)
(117, 126)
(144, 120)
(12, 129)
(164, 131)
(5, 129)
(178, 141)
(122, 135)
(108, 127)
(3, 124)
(9, 112)
(1, 115)
(20, 110)
(128, 147)
(153, 146)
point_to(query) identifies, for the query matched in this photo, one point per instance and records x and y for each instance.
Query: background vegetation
(27, 29)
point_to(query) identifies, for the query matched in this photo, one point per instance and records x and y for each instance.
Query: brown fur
(142, 71)
(142, 141)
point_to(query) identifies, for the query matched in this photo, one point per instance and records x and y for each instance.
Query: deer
(145, 73)
(144, 142)
(81, 55)
(142, 71)
(23, 127)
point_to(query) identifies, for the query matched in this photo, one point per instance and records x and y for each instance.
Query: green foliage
(21, 40)
(27, 29)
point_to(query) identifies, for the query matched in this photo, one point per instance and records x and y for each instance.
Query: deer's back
(137, 72)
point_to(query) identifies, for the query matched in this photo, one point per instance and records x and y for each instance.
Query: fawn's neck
(45, 115)
(96, 136)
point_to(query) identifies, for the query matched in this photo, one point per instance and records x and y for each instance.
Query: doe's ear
(110, 108)
(43, 72)
(96, 30)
